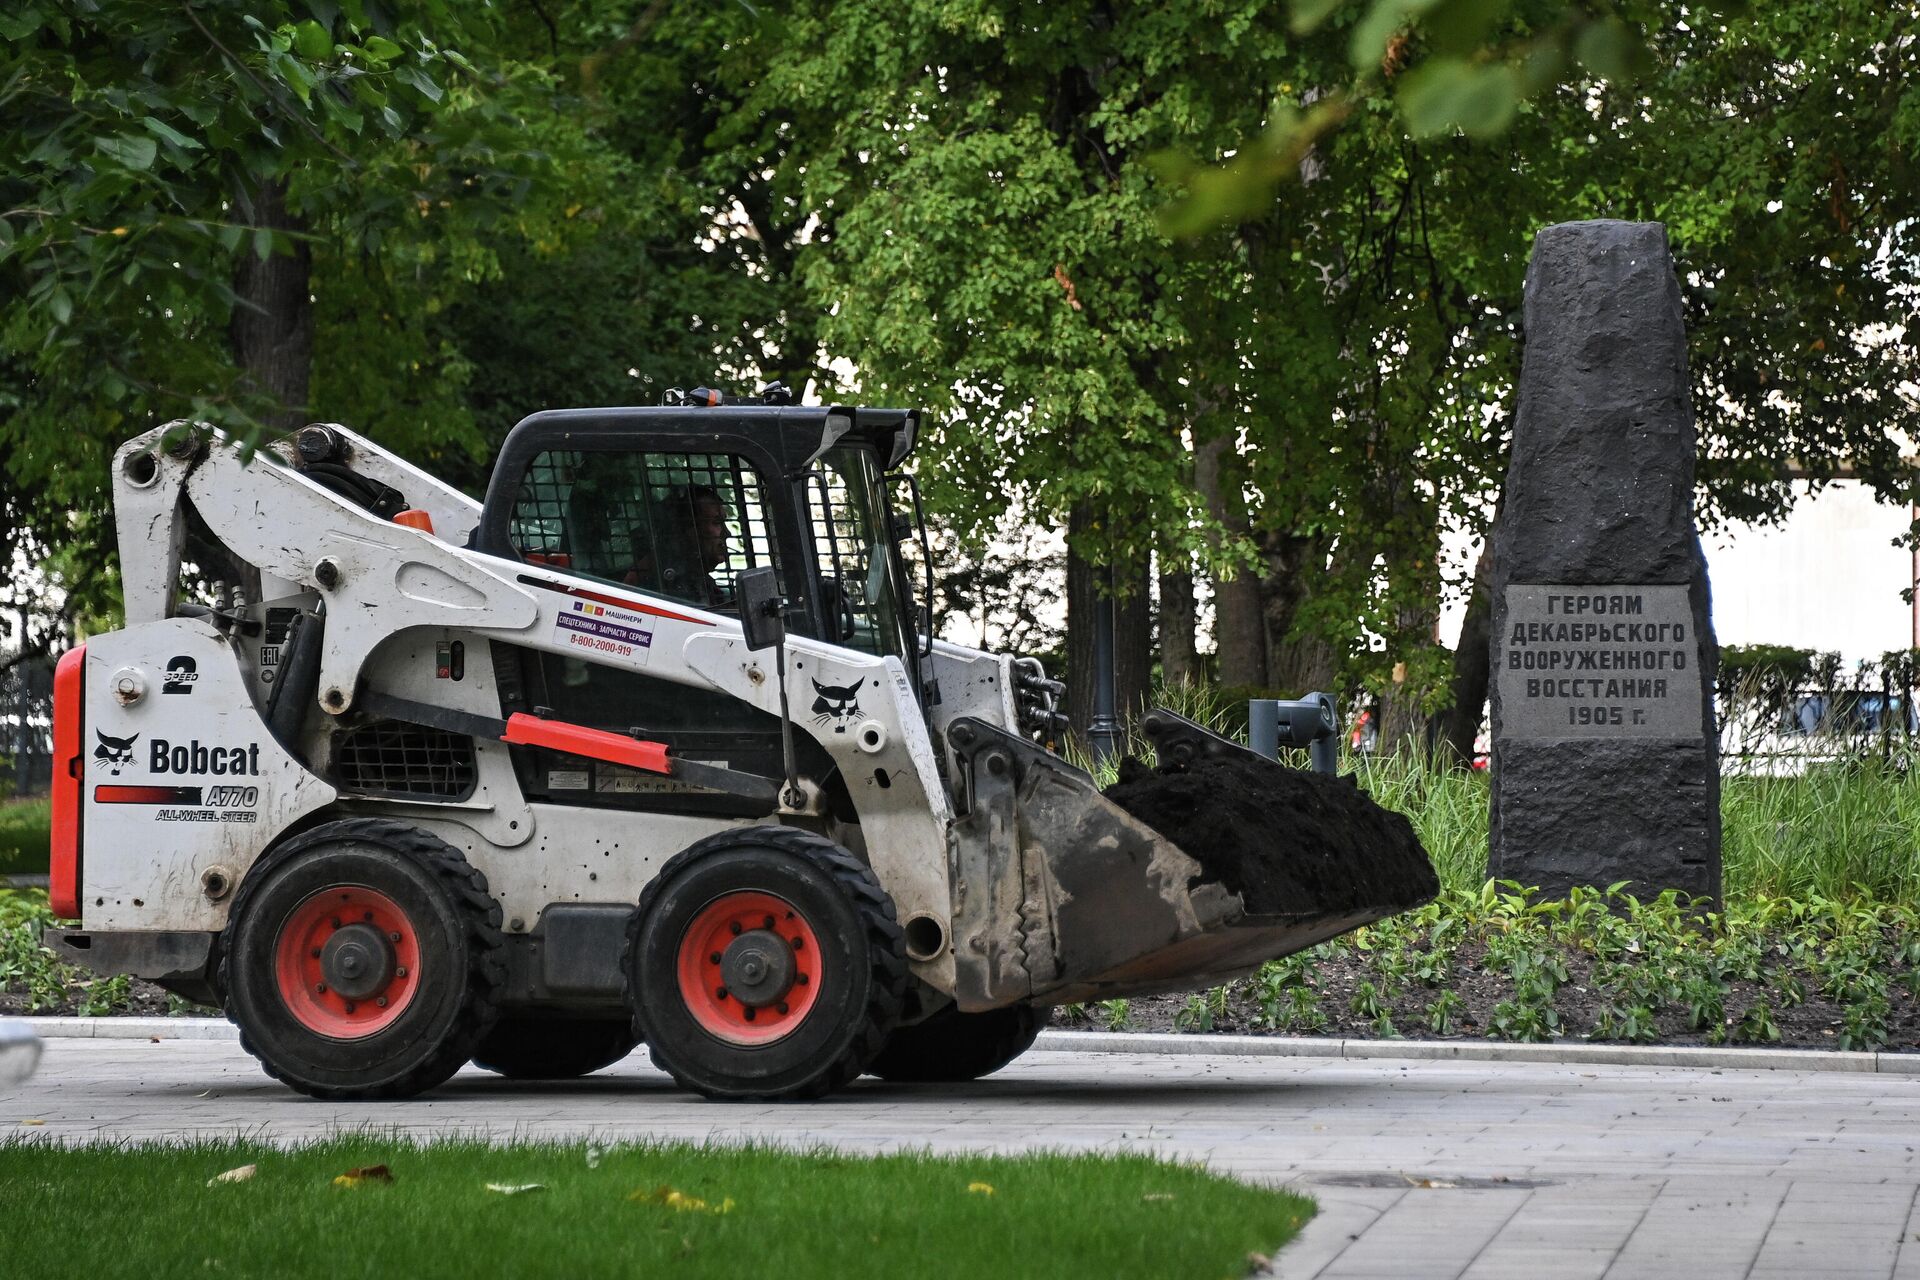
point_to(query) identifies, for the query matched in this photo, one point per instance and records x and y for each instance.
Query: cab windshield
(863, 597)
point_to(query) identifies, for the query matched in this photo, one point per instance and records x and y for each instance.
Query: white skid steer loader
(653, 743)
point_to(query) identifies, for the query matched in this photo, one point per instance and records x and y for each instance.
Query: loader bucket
(1177, 878)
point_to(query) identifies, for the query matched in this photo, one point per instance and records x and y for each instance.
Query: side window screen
(856, 585)
(672, 524)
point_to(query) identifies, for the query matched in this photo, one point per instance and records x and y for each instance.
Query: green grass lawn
(1842, 831)
(149, 1211)
(24, 830)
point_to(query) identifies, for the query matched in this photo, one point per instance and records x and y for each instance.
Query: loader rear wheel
(765, 963)
(952, 1046)
(362, 959)
(553, 1049)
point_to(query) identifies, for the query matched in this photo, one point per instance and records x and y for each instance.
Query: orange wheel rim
(347, 962)
(749, 968)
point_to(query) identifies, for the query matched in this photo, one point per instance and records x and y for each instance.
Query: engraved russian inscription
(1599, 662)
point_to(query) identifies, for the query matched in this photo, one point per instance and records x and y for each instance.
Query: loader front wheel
(952, 1046)
(362, 959)
(765, 963)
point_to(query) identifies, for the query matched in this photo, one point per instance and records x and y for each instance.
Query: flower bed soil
(144, 1000)
(1815, 1024)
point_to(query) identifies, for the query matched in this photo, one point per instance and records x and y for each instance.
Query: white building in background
(1828, 579)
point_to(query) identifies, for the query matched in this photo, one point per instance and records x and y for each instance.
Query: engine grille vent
(396, 759)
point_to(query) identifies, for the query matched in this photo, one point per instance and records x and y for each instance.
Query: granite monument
(1605, 756)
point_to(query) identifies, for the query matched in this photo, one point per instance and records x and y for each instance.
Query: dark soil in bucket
(1287, 842)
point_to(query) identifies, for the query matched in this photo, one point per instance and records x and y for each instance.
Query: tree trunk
(1472, 664)
(1238, 637)
(1403, 726)
(1298, 661)
(271, 329)
(1088, 585)
(1404, 722)
(1179, 658)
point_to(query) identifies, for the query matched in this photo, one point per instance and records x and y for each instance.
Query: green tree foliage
(993, 249)
(1781, 152)
(986, 181)
(139, 138)
(996, 180)
(158, 161)
(1776, 145)
(686, 273)
(997, 185)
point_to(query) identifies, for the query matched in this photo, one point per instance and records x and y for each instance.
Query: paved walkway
(1422, 1169)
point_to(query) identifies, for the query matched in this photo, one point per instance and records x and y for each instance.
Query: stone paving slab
(1610, 1171)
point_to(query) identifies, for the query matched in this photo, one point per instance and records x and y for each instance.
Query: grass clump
(653, 1209)
(1841, 832)
(26, 828)
(34, 980)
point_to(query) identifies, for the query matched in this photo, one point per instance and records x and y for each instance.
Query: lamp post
(1103, 735)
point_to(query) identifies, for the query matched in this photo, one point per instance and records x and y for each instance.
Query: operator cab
(673, 502)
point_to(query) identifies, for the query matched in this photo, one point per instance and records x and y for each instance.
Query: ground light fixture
(19, 1052)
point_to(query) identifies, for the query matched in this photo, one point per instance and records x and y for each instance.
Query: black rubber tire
(553, 1048)
(460, 978)
(952, 1046)
(863, 954)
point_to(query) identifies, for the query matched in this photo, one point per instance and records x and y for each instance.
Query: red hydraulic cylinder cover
(579, 740)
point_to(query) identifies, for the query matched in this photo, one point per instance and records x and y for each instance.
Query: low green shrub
(26, 828)
(33, 979)
(1499, 961)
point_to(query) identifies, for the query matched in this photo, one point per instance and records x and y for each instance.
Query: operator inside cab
(690, 541)
(671, 524)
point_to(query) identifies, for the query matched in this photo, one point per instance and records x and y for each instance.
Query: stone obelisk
(1605, 757)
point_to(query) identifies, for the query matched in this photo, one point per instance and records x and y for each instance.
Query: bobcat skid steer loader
(652, 744)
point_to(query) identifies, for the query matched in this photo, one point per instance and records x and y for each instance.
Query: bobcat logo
(113, 752)
(837, 704)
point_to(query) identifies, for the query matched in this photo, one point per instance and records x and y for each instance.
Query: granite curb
(1569, 1052)
(1617, 1055)
(72, 1028)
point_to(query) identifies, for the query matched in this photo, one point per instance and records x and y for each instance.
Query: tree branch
(261, 85)
(591, 65)
(553, 32)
